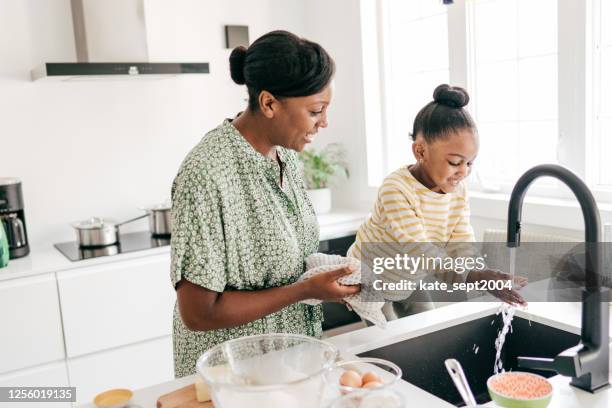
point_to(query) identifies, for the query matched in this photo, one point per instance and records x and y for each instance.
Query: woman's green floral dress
(235, 228)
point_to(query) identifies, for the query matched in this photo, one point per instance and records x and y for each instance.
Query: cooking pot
(98, 232)
(160, 219)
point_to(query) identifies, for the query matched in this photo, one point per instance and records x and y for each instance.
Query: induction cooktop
(130, 242)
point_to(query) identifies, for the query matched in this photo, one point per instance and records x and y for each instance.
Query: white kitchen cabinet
(31, 323)
(135, 366)
(116, 304)
(48, 375)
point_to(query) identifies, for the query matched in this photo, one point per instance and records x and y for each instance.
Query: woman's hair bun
(452, 96)
(236, 61)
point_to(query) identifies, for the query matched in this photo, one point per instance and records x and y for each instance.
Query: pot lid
(166, 205)
(7, 181)
(93, 223)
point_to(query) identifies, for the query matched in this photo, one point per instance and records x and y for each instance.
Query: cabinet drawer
(48, 375)
(135, 366)
(116, 304)
(31, 323)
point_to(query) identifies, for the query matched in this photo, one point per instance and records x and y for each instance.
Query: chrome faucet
(588, 362)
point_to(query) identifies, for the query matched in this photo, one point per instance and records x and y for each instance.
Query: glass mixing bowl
(268, 370)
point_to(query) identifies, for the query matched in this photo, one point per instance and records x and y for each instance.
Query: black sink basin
(422, 358)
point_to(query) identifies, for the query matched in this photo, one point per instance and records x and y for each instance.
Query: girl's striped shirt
(408, 212)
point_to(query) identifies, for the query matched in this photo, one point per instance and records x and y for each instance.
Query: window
(416, 55)
(539, 74)
(602, 127)
(513, 84)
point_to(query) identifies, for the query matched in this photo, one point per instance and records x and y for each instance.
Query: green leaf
(319, 167)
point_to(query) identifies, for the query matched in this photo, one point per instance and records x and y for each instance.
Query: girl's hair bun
(451, 96)
(236, 61)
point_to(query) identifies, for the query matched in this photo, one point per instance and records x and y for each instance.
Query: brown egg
(351, 378)
(369, 377)
(373, 384)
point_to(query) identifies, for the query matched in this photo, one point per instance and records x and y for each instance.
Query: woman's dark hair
(283, 64)
(444, 115)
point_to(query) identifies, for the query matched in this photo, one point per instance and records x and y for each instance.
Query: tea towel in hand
(319, 263)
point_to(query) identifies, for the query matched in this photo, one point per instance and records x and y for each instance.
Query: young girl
(427, 202)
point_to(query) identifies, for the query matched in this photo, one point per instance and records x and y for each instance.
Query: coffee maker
(12, 217)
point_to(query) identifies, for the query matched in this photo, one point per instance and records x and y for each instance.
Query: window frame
(577, 28)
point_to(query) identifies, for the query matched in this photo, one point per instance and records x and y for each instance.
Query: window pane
(417, 49)
(606, 82)
(515, 85)
(538, 88)
(404, 45)
(537, 144)
(603, 93)
(430, 8)
(605, 22)
(605, 151)
(434, 30)
(538, 32)
(495, 139)
(412, 93)
(495, 30)
(496, 91)
(404, 11)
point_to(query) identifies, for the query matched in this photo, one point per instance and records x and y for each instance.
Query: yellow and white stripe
(408, 212)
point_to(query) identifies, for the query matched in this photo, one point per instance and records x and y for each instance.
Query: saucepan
(98, 232)
(160, 219)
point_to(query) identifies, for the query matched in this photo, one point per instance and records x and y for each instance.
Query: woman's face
(298, 119)
(447, 161)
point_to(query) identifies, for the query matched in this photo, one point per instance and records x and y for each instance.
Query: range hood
(111, 40)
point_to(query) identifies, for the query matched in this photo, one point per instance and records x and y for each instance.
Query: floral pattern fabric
(236, 228)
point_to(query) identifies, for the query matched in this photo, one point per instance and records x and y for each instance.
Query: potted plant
(318, 168)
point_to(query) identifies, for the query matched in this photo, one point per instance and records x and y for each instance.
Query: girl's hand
(510, 296)
(325, 286)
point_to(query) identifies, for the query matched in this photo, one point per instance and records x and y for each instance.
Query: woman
(243, 224)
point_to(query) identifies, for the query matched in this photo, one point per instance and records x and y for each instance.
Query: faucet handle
(566, 363)
(537, 363)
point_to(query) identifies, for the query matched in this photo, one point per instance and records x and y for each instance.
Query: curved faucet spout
(587, 203)
(587, 362)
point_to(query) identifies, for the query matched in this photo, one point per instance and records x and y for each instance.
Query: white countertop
(47, 259)
(564, 316)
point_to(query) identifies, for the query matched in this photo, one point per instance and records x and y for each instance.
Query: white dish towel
(319, 263)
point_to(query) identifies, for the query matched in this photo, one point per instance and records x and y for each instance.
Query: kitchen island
(564, 316)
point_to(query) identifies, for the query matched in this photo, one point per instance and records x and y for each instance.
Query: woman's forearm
(207, 310)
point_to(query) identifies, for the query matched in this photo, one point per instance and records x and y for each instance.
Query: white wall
(104, 148)
(336, 25)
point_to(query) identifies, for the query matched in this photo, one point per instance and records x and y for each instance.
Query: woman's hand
(510, 296)
(325, 286)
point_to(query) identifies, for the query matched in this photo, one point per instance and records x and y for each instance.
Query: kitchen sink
(473, 345)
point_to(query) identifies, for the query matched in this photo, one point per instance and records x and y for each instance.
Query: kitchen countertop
(566, 316)
(47, 259)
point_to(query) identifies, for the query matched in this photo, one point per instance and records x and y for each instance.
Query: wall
(104, 148)
(337, 27)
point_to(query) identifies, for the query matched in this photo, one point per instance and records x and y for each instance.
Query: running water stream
(507, 313)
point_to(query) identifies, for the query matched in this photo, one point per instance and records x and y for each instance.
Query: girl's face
(446, 161)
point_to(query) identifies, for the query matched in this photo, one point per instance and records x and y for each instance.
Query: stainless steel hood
(111, 40)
